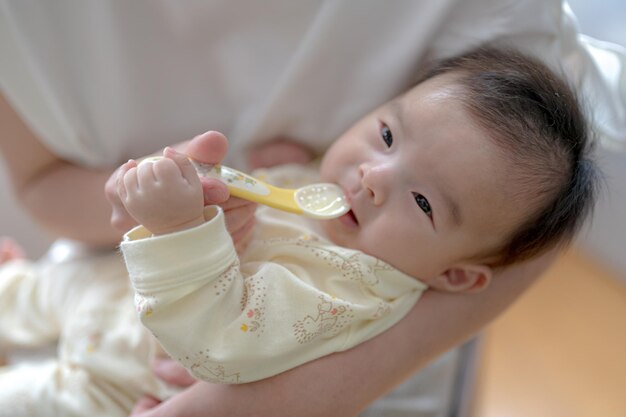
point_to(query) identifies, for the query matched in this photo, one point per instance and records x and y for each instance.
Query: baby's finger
(130, 180)
(121, 173)
(125, 167)
(117, 194)
(185, 166)
(167, 172)
(145, 174)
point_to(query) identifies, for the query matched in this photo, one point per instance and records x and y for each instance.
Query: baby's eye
(423, 204)
(385, 133)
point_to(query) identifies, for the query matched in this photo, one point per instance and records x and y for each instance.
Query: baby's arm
(164, 196)
(231, 323)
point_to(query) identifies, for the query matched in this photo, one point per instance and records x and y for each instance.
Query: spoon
(318, 201)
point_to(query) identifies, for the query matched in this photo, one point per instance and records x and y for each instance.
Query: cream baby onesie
(102, 366)
(291, 298)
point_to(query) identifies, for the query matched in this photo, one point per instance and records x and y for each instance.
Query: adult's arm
(69, 200)
(343, 384)
(64, 198)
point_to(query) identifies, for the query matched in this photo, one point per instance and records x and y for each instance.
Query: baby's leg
(97, 374)
(38, 298)
(51, 389)
(60, 389)
(104, 357)
(26, 316)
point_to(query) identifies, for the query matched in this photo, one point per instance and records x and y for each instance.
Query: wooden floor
(560, 350)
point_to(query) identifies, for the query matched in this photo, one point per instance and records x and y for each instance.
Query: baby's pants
(104, 353)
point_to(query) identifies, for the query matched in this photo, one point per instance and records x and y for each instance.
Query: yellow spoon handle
(249, 188)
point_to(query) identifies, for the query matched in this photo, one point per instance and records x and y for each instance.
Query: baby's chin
(332, 232)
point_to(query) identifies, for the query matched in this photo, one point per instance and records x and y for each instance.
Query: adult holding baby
(105, 82)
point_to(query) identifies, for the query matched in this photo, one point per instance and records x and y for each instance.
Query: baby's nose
(376, 179)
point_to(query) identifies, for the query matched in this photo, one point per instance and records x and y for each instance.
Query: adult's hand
(169, 371)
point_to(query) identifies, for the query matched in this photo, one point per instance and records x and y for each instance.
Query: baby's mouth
(349, 219)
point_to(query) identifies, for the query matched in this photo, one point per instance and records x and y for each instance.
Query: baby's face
(427, 186)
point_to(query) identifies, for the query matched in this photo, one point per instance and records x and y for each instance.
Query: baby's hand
(165, 196)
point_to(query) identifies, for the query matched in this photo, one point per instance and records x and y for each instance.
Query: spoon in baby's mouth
(318, 201)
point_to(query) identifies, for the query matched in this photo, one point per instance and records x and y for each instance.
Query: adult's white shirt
(102, 81)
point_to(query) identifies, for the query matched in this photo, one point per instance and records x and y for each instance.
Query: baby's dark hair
(536, 119)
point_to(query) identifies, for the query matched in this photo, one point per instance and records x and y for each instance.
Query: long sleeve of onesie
(292, 300)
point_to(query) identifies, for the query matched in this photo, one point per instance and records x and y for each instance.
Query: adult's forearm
(69, 201)
(345, 383)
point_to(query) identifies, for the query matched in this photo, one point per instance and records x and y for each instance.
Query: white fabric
(102, 81)
(292, 298)
(102, 365)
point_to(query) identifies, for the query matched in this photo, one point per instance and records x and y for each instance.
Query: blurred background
(560, 350)
(606, 239)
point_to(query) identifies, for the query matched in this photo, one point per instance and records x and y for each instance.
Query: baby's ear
(469, 278)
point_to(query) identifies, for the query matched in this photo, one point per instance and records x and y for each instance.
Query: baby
(484, 163)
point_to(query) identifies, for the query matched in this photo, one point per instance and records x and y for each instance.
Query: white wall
(606, 239)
